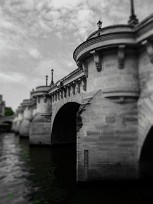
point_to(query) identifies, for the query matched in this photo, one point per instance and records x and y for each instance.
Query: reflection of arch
(64, 124)
(7, 122)
(6, 126)
(146, 156)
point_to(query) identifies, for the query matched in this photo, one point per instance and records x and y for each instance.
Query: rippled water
(41, 175)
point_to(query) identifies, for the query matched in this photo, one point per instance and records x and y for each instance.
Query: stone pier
(26, 118)
(18, 119)
(40, 129)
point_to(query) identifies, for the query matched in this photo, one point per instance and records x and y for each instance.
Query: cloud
(44, 68)
(37, 35)
(64, 3)
(34, 53)
(12, 78)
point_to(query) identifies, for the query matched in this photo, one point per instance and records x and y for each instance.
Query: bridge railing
(70, 78)
(70, 84)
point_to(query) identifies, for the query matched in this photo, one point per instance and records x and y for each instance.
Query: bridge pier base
(17, 126)
(24, 128)
(40, 129)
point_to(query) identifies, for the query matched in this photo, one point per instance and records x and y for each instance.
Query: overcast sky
(37, 35)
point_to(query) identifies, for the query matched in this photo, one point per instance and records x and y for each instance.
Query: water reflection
(44, 175)
(12, 171)
(52, 174)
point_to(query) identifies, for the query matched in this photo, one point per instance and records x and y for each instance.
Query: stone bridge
(105, 106)
(4, 119)
(6, 123)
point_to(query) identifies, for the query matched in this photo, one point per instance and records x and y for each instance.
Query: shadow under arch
(64, 125)
(146, 157)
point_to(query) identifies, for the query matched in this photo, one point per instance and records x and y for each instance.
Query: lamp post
(46, 80)
(52, 81)
(99, 24)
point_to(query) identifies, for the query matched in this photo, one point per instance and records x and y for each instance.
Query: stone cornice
(100, 42)
(40, 91)
(26, 102)
(111, 29)
(42, 88)
(115, 35)
(144, 30)
(144, 22)
(121, 93)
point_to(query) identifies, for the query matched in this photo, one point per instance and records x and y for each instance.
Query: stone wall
(112, 78)
(107, 139)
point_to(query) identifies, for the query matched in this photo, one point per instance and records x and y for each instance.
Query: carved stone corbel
(85, 68)
(55, 96)
(52, 97)
(69, 90)
(97, 60)
(73, 87)
(78, 85)
(79, 64)
(121, 56)
(61, 93)
(58, 95)
(84, 84)
(65, 92)
(149, 47)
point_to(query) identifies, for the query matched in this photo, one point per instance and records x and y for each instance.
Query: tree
(8, 111)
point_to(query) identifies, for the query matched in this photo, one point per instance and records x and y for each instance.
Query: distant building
(2, 106)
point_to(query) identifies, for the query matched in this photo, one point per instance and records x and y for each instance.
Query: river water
(45, 175)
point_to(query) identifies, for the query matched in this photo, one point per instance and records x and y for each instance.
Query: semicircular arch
(57, 106)
(64, 123)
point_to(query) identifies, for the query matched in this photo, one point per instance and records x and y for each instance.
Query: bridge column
(19, 119)
(107, 137)
(40, 129)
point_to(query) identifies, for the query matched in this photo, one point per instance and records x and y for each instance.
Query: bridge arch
(146, 157)
(6, 126)
(64, 124)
